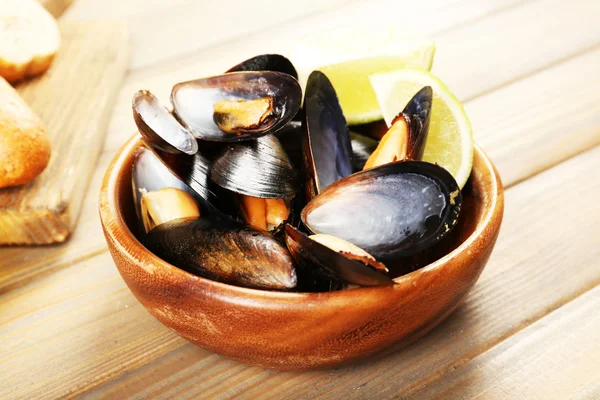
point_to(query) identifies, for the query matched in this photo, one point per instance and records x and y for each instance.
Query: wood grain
(183, 27)
(525, 279)
(558, 357)
(89, 329)
(56, 7)
(90, 65)
(535, 123)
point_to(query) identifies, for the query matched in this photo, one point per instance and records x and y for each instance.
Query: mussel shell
(418, 114)
(194, 171)
(331, 264)
(258, 168)
(390, 211)
(362, 148)
(149, 174)
(159, 127)
(225, 251)
(327, 149)
(193, 102)
(267, 62)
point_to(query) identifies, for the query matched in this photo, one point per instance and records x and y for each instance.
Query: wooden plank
(89, 329)
(182, 27)
(558, 357)
(503, 302)
(515, 43)
(20, 264)
(56, 7)
(538, 122)
(90, 65)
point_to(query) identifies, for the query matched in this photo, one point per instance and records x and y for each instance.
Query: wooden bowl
(300, 331)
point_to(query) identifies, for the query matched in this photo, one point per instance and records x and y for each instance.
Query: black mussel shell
(417, 114)
(267, 62)
(362, 148)
(158, 127)
(327, 149)
(315, 257)
(258, 168)
(194, 171)
(375, 129)
(390, 211)
(225, 251)
(290, 137)
(148, 174)
(195, 103)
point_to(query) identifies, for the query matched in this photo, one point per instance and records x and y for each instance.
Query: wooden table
(528, 73)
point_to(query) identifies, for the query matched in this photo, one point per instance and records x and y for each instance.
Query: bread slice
(29, 39)
(24, 145)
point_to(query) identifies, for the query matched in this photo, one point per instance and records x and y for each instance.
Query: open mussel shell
(267, 62)
(258, 168)
(149, 174)
(362, 148)
(390, 211)
(158, 127)
(321, 260)
(225, 251)
(417, 114)
(200, 104)
(194, 172)
(327, 149)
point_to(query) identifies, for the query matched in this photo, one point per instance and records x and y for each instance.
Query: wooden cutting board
(73, 99)
(56, 7)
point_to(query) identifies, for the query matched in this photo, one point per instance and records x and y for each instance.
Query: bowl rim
(128, 245)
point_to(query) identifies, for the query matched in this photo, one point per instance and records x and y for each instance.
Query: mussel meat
(267, 62)
(334, 258)
(166, 204)
(225, 251)
(237, 106)
(326, 146)
(149, 174)
(390, 211)
(158, 127)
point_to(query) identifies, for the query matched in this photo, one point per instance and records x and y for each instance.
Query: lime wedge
(450, 139)
(349, 55)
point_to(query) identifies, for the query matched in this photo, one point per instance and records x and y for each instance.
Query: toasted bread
(29, 39)
(24, 145)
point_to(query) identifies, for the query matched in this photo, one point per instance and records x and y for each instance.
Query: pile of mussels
(239, 185)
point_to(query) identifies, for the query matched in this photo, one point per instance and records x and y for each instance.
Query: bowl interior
(478, 202)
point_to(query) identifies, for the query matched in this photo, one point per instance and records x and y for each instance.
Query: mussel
(158, 126)
(362, 148)
(258, 168)
(266, 62)
(334, 258)
(406, 138)
(225, 251)
(326, 146)
(194, 171)
(237, 106)
(390, 211)
(149, 174)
